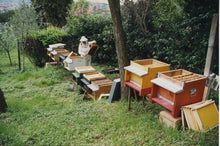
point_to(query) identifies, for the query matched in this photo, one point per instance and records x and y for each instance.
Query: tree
(7, 41)
(3, 104)
(54, 11)
(24, 21)
(119, 41)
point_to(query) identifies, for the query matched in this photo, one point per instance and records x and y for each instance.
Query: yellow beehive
(201, 116)
(140, 72)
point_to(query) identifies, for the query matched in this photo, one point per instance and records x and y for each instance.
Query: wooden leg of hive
(135, 95)
(143, 99)
(129, 99)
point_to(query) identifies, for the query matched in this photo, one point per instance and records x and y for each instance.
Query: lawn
(44, 110)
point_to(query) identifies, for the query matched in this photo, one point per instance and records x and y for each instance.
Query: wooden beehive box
(140, 72)
(55, 54)
(73, 61)
(79, 71)
(63, 57)
(202, 116)
(174, 89)
(99, 87)
(168, 120)
(93, 76)
(55, 46)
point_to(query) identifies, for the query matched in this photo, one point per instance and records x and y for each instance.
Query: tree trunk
(19, 58)
(3, 104)
(119, 41)
(9, 57)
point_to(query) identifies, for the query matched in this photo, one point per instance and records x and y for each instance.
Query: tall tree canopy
(54, 11)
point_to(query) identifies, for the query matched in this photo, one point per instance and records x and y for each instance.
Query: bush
(38, 41)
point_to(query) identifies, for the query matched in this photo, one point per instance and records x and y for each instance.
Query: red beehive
(174, 89)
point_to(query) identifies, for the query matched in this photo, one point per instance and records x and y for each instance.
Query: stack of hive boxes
(55, 50)
(93, 83)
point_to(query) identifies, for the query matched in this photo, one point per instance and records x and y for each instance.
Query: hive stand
(174, 89)
(140, 72)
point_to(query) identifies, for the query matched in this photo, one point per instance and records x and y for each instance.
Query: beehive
(53, 47)
(73, 61)
(174, 89)
(140, 72)
(79, 71)
(93, 76)
(55, 54)
(201, 116)
(63, 57)
(99, 87)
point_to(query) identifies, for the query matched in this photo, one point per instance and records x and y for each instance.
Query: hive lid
(166, 84)
(93, 87)
(84, 69)
(136, 70)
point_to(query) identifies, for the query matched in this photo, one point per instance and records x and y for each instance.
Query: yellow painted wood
(152, 66)
(208, 116)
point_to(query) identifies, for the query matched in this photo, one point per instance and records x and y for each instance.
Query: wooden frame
(202, 116)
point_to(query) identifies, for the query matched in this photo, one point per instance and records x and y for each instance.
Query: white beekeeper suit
(83, 50)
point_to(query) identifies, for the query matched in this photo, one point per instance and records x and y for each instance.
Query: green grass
(43, 110)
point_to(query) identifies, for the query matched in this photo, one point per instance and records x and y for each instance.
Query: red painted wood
(163, 103)
(142, 92)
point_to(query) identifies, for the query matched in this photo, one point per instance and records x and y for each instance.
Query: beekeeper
(83, 50)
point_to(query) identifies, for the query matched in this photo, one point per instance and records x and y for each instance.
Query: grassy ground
(43, 110)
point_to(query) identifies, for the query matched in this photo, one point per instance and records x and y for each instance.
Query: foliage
(50, 35)
(5, 17)
(97, 28)
(7, 40)
(79, 8)
(38, 41)
(54, 12)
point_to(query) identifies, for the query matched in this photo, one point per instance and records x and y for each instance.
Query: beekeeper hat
(83, 39)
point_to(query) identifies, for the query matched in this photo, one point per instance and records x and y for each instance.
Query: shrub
(38, 41)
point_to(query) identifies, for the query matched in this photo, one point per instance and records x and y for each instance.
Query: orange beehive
(55, 54)
(174, 89)
(140, 72)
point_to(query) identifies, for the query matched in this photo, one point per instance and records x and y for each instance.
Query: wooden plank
(211, 45)
(163, 103)
(167, 85)
(84, 69)
(136, 70)
(94, 76)
(115, 91)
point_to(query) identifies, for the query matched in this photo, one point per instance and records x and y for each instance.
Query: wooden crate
(202, 116)
(73, 61)
(168, 120)
(93, 76)
(55, 54)
(99, 87)
(174, 89)
(140, 72)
